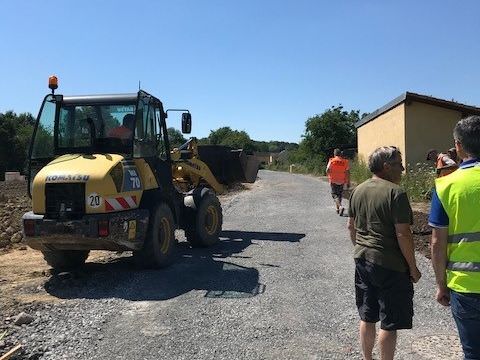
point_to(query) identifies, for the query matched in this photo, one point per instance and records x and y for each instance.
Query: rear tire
(205, 224)
(158, 251)
(65, 259)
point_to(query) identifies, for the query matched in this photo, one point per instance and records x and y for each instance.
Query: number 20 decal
(94, 200)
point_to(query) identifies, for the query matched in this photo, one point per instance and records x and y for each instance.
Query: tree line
(16, 132)
(333, 128)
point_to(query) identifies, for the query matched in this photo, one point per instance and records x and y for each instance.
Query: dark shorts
(337, 191)
(383, 295)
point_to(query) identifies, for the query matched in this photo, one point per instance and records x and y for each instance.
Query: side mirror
(186, 123)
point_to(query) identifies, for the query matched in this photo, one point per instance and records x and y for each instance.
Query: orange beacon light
(53, 83)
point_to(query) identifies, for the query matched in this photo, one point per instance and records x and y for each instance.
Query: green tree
(261, 146)
(15, 134)
(216, 137)
(175, 137)
(334, 128)
(274, 146)
(233, 138)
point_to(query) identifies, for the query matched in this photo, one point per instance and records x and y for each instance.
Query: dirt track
(24, 277)
(23, 269)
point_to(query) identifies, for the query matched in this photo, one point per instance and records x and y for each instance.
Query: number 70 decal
(135, 182)
(132, 180)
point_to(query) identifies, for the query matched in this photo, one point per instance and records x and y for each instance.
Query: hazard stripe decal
(121, 203)
(132, 201)
(108, 207)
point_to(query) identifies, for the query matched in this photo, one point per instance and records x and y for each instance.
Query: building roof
(408, 97)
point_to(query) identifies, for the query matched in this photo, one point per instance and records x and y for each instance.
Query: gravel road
(278, 286)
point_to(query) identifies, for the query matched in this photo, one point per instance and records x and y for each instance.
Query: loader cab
(132, 125)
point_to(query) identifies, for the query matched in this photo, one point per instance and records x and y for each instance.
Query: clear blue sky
(259, 66)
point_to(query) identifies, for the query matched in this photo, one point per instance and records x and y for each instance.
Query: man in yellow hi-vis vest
(456, 237)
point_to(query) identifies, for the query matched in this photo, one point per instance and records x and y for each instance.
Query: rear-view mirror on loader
(186, 123)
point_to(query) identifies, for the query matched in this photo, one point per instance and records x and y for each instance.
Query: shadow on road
(194, 269)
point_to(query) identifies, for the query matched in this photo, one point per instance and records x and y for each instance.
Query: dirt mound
(421, 231)
(14, 202)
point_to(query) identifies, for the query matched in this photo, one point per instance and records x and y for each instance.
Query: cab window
(162, 153)
(43, 142)
(144, 143)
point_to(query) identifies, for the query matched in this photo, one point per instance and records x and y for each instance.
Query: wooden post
(12, 352)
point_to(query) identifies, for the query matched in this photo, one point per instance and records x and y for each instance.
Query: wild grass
(417, 180)
(359, 171)
(313, 166)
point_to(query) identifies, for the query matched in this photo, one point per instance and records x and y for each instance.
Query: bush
(418, 181)
(315, 166)
(277, 166)
(359, 171)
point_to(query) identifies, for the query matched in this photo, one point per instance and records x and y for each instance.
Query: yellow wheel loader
(102, 177)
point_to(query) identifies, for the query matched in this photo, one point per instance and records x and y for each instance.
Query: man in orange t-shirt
(124, 131)
(338, 171)
(443, 163)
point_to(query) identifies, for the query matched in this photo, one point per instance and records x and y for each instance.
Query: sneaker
(342, 209)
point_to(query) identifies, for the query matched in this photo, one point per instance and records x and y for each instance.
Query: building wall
(428, 127)
(265, 158)
(387, 129)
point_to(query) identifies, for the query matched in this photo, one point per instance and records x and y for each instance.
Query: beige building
(414, 123)
(265, 158)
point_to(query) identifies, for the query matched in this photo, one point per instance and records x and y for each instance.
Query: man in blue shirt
(455, 247)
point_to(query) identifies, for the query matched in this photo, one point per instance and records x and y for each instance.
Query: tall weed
(314, 166)
(359, 171)
(418, 180)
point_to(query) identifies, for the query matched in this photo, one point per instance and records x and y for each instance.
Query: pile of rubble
(14, 202)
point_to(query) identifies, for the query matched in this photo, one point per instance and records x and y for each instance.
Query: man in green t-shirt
(379, 222)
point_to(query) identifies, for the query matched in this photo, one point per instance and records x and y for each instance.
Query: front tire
(65, 259)
(158, 251)
(205, 223)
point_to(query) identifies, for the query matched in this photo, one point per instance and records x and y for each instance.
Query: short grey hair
(381, 155)
(467, 132)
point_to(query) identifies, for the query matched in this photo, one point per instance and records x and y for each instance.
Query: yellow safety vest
(459, 194)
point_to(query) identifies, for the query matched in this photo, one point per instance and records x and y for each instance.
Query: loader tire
(205, 224)
(158, 250)
(65, 259)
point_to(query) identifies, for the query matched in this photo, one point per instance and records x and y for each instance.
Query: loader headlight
(117, 176)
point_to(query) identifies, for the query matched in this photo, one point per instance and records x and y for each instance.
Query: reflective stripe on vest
(458, 266)
(467, 237)
(459, 194)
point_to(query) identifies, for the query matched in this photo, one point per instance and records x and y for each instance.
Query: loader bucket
(229, 165)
